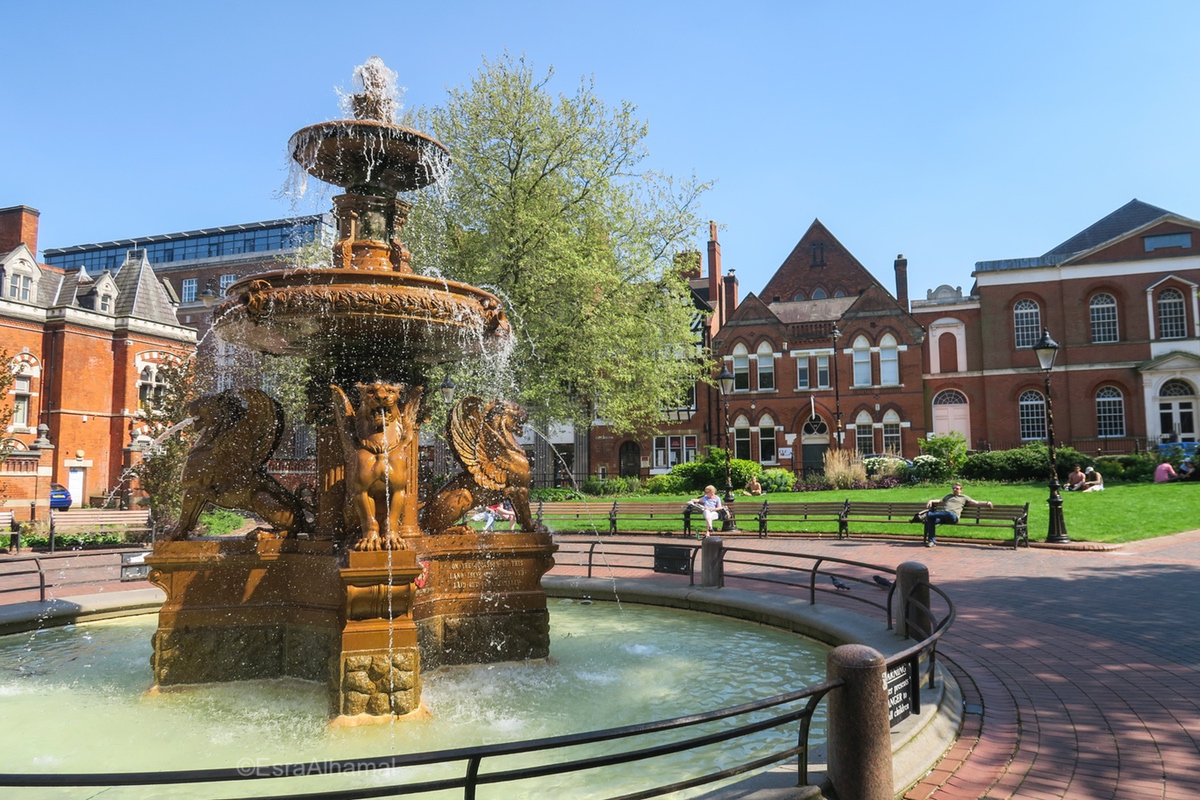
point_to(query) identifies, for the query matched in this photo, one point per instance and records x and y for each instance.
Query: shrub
(812, 483)
(710, 470)
(949, 448)
(929, 469)
(885, 466)
(611, 486)
(842, 471)
(667, 484)
(1135, 468)
(553, 495)
(777, 480)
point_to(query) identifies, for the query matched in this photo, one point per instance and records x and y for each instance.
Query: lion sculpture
(376, 440)
(238, 431)
(483, 439)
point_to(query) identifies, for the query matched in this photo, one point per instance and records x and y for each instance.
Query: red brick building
(85, 351)
(797, 386)
(1120, 298)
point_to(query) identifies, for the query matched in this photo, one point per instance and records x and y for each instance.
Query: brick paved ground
(1080, 670)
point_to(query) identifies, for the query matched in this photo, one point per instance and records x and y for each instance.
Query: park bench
(802, 512)
(574, 515)
(1015, 517)
(657, 517)
(130, 524)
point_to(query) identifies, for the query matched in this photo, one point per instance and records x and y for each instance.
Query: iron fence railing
(776, 571)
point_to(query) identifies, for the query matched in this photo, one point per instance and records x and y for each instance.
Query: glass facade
(265, 237)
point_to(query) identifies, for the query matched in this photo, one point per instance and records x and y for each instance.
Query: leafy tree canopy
(545, 204)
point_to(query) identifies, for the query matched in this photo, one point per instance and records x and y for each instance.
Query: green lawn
(1121, 513)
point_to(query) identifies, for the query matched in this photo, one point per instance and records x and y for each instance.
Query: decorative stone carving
(483, 439)
(376, 440)
(239, 429)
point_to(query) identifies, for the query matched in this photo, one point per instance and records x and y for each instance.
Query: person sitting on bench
(952, 507)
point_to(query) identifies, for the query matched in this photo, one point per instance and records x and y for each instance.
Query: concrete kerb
(917, 743)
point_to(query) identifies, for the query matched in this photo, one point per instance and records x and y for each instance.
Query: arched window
(766, 440)
(1177, 411)
(1172, 324)
(1110, 412)
(799, 297)
(950, 397)
(864, 433)
(889, 361)
(839, 292)
(150, 389)
(1032, 414)
(766, 367)
(815, 426)
(741, 368)
(819, 294)
(741, 437)
(862, 361)
(1103, 311)
(891, 432)
(1027, 323)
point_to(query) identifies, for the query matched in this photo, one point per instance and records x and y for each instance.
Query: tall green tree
(546, 205)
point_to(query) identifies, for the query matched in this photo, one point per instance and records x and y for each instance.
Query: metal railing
(57, 570)
(787, 572)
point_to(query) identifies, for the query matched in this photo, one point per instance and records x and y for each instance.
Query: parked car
(60, 497)
(1178, 448)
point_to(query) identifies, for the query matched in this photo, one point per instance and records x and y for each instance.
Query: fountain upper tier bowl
(319, 311)
(369, 156)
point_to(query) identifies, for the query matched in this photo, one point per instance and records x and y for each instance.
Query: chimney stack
(714, 274)
(19, 225)
(902, 280)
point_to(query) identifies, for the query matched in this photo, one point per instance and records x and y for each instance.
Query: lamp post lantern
(836, 334)
(1046, 350)
(726, 380)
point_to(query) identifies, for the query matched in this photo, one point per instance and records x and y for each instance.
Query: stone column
(858, 739)
(712, 563)
(912, 592)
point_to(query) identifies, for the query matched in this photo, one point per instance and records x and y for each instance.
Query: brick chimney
(715, 294)
(19, 225)
(902, 280)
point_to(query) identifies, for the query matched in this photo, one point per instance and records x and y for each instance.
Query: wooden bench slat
(99, 520)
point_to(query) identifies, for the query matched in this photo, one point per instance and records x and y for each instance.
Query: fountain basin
(369, 156)
(375, 315)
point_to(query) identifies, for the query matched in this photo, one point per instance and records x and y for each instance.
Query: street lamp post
(726, 381)
(835, 334)
(1046, 350)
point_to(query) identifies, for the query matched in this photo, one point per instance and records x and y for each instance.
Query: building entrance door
(631, 460)
(1177, 411)
(75, 485)
(951, 413)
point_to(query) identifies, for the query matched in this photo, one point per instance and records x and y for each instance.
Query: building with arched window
(84, 349)
(1121, 299)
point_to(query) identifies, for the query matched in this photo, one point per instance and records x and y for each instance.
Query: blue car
(60, 497)
(1178, 448)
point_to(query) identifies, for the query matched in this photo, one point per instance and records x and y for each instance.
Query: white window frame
(1172, 316)
(187, 290)
(1031, 416)
(1027, 323)
(1110, 413)
(889, 361)
(741, 368)
(1102, 314)
(861, 350)
(766, 367)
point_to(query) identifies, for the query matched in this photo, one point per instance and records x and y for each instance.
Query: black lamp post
(726, 381)
(835, 334)
(209, 296)
(1046, 350)
(446, 390)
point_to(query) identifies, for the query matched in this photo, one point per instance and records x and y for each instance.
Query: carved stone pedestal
(380, 666)
(483, 602)
(239, 610)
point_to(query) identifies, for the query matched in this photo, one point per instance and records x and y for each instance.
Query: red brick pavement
(1080, 669)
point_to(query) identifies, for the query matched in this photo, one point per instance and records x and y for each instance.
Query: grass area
(1121, 513)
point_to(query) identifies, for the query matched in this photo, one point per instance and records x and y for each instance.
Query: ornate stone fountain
(364, 586)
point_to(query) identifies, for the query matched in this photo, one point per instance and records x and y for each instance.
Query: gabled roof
(140, 294)
(1128, 217)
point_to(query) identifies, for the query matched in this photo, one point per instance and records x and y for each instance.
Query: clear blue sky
(952, 132)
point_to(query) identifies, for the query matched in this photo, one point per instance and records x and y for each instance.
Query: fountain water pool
(80, 694)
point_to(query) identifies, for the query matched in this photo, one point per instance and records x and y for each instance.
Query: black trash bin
(672, 559)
